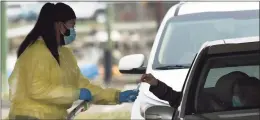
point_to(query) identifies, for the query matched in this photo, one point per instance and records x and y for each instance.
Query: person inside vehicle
(46, 79)
(246, 93)
(225, 95)
(221, 98)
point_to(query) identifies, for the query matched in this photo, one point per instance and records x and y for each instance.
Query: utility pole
(4, 48)
(109, 47)
(159, 13)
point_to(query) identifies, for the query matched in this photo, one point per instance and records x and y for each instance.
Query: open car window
(228, 83)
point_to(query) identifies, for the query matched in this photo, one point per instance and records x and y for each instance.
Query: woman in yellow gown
(46, 79)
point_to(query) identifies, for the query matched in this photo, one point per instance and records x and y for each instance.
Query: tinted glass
(230, 82)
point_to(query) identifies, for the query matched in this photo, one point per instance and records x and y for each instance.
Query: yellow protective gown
(41, 88)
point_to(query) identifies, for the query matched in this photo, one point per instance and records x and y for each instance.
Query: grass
(123, 115)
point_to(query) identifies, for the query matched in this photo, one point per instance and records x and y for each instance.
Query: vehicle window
(216, 73)
(229, 83)
(184, 35)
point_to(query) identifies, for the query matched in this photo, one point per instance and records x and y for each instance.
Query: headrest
(224, 86)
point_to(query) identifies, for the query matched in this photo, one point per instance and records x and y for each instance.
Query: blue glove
(85, 94)
(128, 96)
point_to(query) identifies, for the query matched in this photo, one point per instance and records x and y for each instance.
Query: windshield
(183, 35)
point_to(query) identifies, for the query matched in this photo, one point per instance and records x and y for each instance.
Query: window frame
(176, 112)
(239, 113)
(187, 103)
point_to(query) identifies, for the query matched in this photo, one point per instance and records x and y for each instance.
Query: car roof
(233, 45)
(197, 7)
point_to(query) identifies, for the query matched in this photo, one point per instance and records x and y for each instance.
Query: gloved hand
(85, 94)
(128, 96)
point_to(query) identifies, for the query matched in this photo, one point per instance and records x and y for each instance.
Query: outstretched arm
(164, 92)
(100, 95)
(161, 90)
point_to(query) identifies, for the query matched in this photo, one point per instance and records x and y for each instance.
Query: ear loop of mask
(236, 102)
(67, 31)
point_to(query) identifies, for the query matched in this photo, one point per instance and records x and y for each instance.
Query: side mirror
(159, 113)
(132, 64)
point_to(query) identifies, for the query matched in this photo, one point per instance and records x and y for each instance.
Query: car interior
(233, 76)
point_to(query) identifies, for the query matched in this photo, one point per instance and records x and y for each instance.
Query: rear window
(229, 82)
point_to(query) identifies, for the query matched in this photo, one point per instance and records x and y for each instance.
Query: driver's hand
(150, 79)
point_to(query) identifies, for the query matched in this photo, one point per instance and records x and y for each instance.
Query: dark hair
(45, 27)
